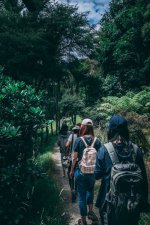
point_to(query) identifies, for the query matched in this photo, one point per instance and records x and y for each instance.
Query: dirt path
(70, 209)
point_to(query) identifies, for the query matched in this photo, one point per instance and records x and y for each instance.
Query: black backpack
(125, 195)
(62, 143)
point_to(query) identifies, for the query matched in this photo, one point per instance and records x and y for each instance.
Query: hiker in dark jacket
(62, 140)
(118, 135)
(70, 145)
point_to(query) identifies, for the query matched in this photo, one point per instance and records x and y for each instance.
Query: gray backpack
(124, 197)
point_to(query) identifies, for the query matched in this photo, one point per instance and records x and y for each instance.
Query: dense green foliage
(22, 115)
(39, 43)
(61, 67)
(120, 63)
(39, 40)
(25, 186)
(71, 106)
(131, 102)
(134, 106)
(124, 46)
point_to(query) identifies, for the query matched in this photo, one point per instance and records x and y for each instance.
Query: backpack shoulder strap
(72, 139)
(84, 142)
(92, 145)
(135, 148)
(112, 153)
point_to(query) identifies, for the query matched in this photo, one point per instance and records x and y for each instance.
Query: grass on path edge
(47, 206)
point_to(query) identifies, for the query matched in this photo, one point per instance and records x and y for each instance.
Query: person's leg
(69, 178)
(90, 197)
(82, 197)
(107, 219)
(75, 187)
(71, 184)
(81, 189)
(104, 216)
(75, 184)
(62, 155)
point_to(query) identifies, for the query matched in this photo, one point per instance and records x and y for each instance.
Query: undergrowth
(47, 206)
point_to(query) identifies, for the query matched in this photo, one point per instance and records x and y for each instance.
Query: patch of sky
(96, 8)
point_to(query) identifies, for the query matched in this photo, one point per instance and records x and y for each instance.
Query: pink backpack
(87, 163)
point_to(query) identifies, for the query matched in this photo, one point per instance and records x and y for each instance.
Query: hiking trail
(71, 210)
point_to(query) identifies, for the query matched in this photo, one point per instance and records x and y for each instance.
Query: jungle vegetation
(55, 64)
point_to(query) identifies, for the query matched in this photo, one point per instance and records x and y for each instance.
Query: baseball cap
(87, 122)
(117, 121)
(76, 128)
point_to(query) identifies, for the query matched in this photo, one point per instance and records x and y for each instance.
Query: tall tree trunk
(72, 119)
(75, 119)
(47, 133)
(42, 136)
(52, 129)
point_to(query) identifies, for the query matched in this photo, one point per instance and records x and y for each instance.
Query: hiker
(70, 144)
(83, 163)
(62, 140)
(124, 189)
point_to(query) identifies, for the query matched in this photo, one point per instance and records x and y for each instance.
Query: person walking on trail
(83, 163)
(70, 144)
(62, 140)
(123, 192)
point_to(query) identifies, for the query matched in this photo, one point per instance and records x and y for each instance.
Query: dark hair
(121, 131)
(118, 126)
(64, 129)
(86, 130)
(76, 131)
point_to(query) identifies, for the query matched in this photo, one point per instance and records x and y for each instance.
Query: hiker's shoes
(81, 222)
(92, 216)
(73, 196)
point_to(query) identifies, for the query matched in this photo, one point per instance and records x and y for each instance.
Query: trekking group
(119, 164)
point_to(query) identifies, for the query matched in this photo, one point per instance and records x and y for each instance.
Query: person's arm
(75, 155)
(99, 171)
(74, 160)
(97, 144)
(68, 143)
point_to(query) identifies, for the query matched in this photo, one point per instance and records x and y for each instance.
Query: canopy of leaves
(34, 44)
(71, 105)
(124, 46)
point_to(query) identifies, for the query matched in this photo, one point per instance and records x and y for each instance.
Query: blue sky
(96, 8)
